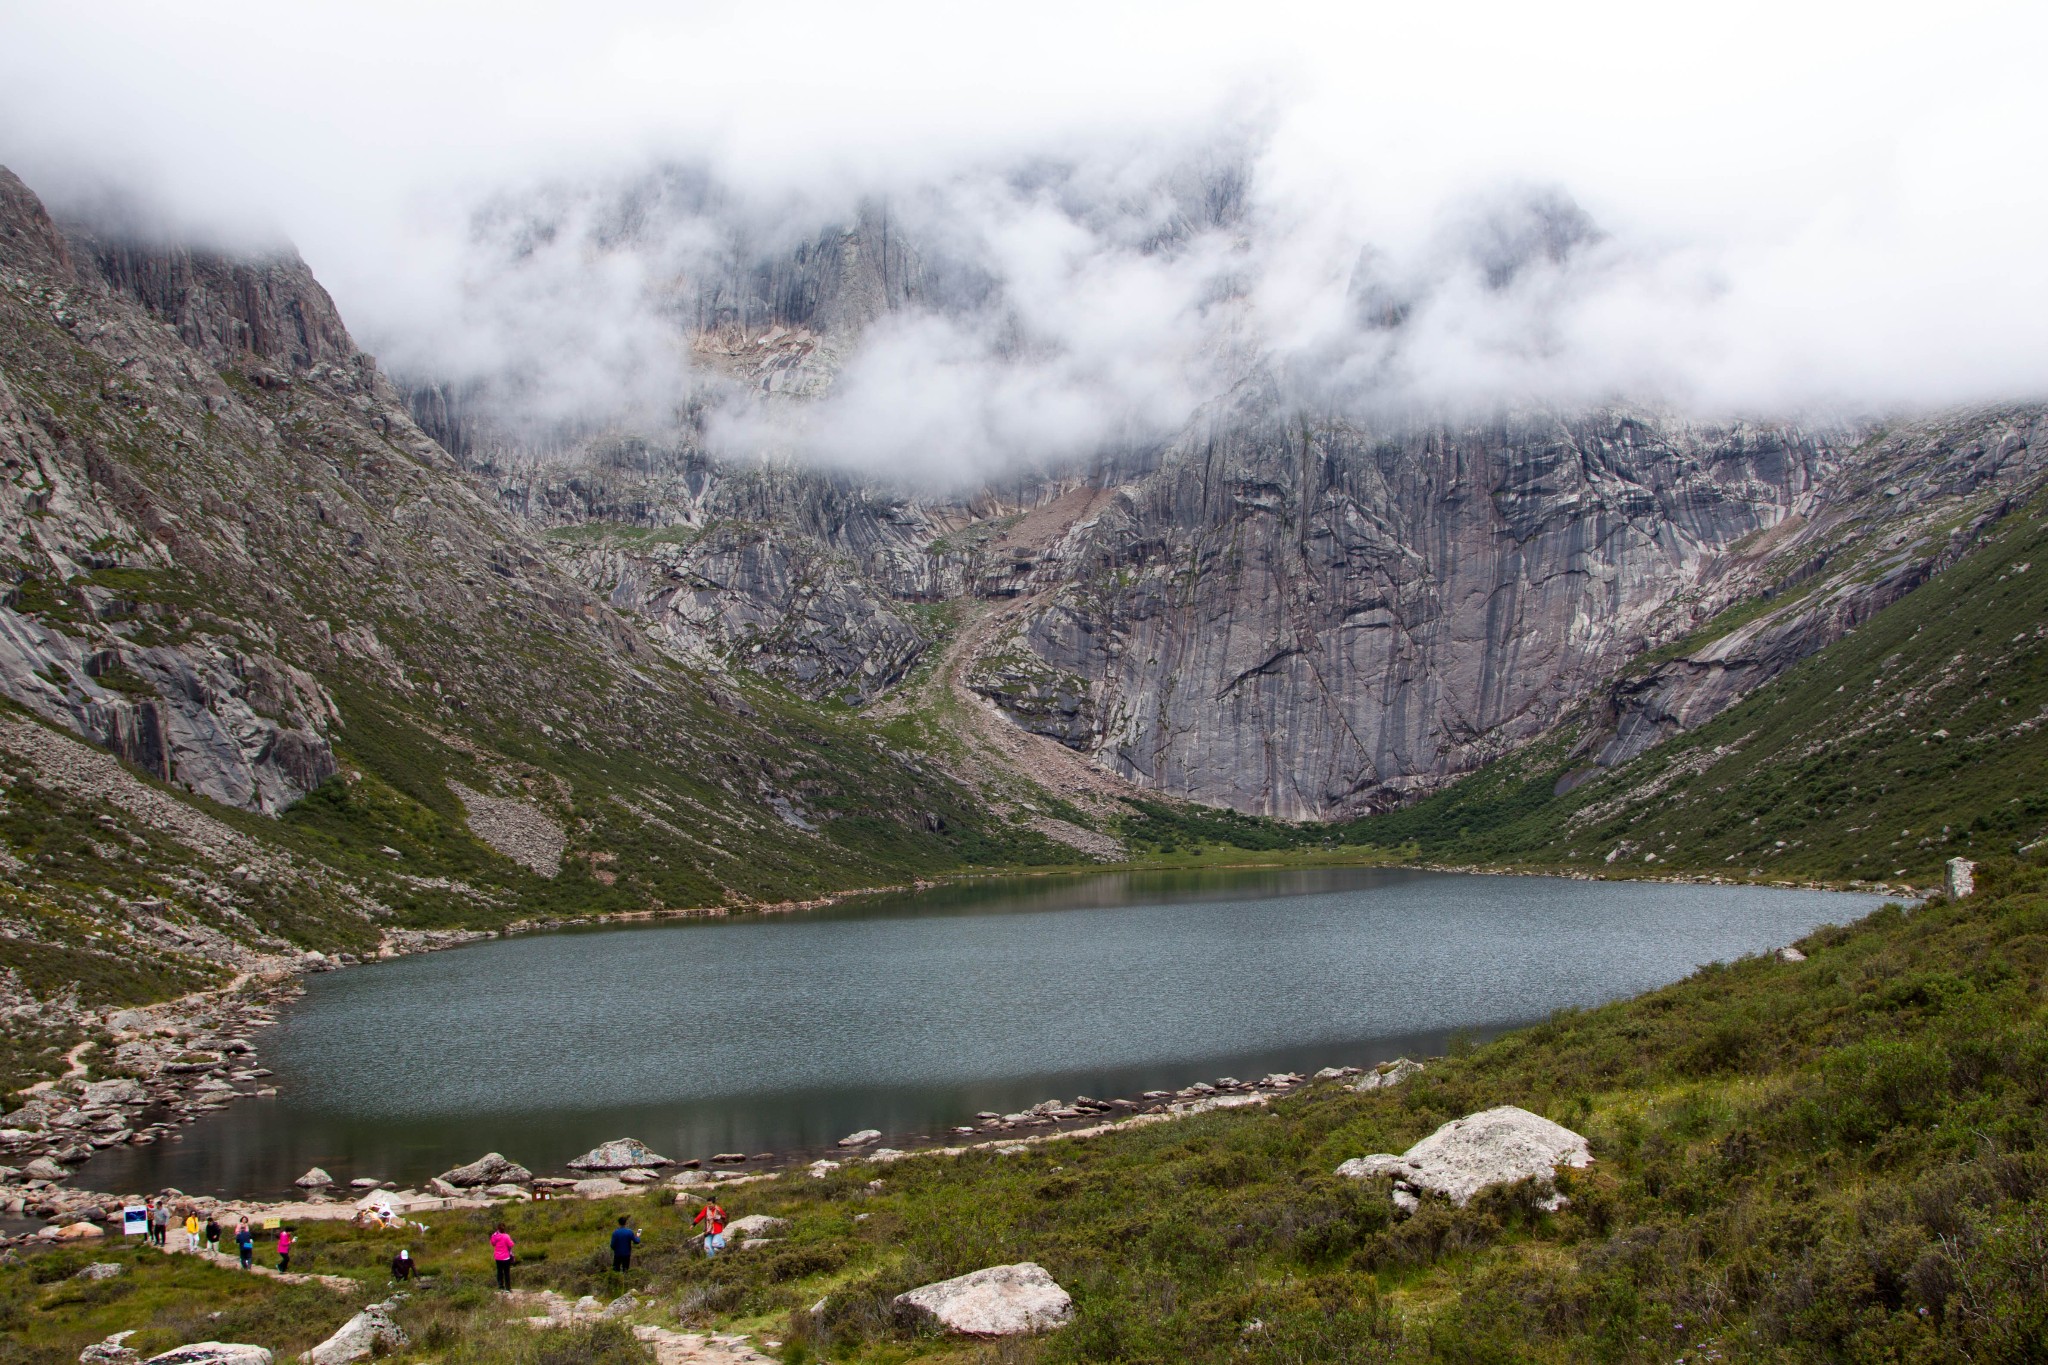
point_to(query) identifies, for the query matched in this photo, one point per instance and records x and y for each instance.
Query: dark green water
(909, 1013)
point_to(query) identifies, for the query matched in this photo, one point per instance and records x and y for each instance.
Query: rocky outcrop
(620, 1154)
(489, 1169)
(1001, 1301)
(370, 1332)
(1495, 1147)
(1912, 502)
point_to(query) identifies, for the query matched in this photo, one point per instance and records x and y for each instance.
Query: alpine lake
(909, 1013)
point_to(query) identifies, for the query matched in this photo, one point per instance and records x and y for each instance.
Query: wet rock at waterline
(1001, 1301)
(315, 1179)
(1494, 1147)
(620, 1154)
(492, 1168)
(860, 1139)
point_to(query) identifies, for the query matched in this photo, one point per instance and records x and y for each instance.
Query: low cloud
(1104, 222)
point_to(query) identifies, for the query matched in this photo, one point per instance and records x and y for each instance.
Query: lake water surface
(909, 1013)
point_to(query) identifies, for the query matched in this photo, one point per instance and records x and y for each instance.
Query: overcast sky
(1802, 204)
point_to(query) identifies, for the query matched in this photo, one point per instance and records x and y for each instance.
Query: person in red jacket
(713, 1219)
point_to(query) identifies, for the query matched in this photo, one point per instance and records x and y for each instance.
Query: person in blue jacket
(624, 1239)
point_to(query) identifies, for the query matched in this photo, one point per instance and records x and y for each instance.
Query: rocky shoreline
(621, 1165)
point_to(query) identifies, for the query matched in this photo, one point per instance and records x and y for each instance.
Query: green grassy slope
(1843, 1159)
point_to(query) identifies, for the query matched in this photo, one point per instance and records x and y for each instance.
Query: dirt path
(994, 751)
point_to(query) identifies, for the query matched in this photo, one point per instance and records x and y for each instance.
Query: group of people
(624, 1238)
(207, 1237)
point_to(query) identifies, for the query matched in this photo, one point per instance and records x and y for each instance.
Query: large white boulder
(620, 1154)
(315, 1179)
(1494, 1147)
(213, 1353)
(1001, 1301)
(362, 1336)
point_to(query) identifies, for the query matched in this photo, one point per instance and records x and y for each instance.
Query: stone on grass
(756, 1225)
(620, 1154)
(213, 1353)
(1791, 954)
(1001, 1301)
(860, 1139)
(100, 1270)
(115, 1350)
(1388, 1074)
(1494, 1147)
(505, 1192)
(489, 1169)
(315, 1179)
(370, 1332)
(599, 1187)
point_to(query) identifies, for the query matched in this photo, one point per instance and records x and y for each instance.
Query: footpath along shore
(625, 1165)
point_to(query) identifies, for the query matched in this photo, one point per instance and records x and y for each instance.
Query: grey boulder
(860, 1139)
(1493, 1147)
(370, 1332)
(756, 1225)
(1388, 1074)
(213, 1353)
(1001, 1301)
(491, 1168)
(315, 1179)
(620, 1154)
(115, 1350)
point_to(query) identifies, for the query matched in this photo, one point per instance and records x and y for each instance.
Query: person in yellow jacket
(191, 1232)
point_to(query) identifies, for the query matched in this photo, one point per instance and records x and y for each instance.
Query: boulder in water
(860, 1139)
(620, 1154)
(1001, 1301)
(489, 1169)
(315, 1179)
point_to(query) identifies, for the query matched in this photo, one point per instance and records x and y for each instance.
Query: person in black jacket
(624, 1239)
(403, 1267)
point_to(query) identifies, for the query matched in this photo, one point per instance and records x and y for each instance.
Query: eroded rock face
(1001, 1301)
(1493, 1147)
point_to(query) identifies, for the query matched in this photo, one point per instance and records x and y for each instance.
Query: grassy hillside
(1839, 1159)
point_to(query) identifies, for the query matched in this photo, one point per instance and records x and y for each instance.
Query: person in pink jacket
(501, 1252)
(284, 1249)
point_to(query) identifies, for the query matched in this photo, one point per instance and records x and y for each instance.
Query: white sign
(135, 1220)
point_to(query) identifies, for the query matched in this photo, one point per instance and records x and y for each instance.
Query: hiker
(284, 1249)
(713, 1219)
(402, 1267)
(245, 1243)
(191, 1232)
(624, 1239)
(501, 1252)
(213, 1234)
(160, 1223)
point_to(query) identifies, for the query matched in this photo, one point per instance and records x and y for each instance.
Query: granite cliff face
(1314, 620)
